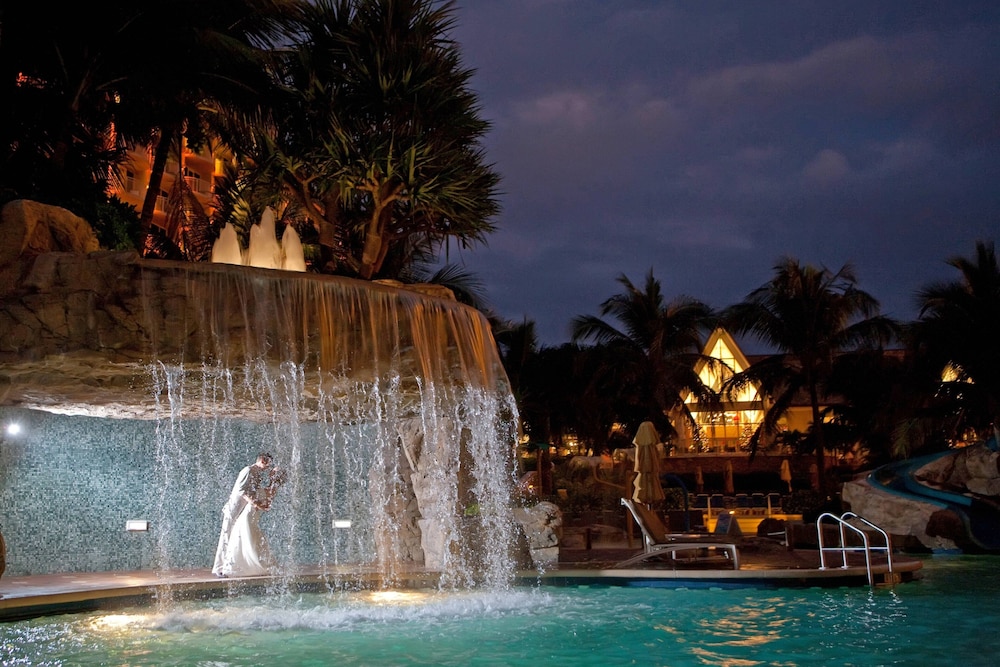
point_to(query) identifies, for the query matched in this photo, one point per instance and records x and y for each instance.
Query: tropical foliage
(650, 347)
(954, 342)
(78, 92)
(811, 317)
(371, 135)
(352, 118)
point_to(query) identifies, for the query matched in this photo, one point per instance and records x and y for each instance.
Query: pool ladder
(846, 528)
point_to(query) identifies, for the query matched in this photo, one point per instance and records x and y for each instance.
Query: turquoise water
(948, 617)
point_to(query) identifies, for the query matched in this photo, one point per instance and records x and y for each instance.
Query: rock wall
(542, 524)
(79, 326)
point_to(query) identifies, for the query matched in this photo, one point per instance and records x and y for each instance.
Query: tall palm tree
(653, 346)
(810, 316)
(78, 92)
(194, 60)
(379, 140)
(955, 334)
(517, 343)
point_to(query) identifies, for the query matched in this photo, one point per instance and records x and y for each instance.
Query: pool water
(948, 617)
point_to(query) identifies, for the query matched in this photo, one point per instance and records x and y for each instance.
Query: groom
(244, 491)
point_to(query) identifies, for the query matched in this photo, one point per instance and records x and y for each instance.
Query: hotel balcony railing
(196, 184)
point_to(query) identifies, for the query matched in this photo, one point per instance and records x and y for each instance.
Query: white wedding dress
(243, 550)
(247, 551)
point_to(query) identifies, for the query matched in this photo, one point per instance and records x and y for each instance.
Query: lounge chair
(681, 547)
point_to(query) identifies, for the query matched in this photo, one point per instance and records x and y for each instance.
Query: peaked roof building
(726, 428)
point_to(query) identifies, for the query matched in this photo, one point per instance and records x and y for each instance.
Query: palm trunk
(376, 243)
(156, 171)
(820, 439)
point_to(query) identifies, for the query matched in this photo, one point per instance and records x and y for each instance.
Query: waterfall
(389, 410)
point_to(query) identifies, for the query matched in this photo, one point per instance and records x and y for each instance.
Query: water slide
(980, 514)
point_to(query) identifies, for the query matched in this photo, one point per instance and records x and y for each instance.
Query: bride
(247, 552)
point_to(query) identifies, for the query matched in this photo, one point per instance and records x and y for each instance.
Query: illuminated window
(728, 430)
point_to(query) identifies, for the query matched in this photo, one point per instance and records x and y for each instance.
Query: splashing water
(939, 620)
(264, 250)
(389, 411)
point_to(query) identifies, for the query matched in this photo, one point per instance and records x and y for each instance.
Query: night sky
(707, 140)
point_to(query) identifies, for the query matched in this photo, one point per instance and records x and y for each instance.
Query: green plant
(116, 224)
(804, 502)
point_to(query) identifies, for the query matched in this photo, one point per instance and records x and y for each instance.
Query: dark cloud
(705, 141)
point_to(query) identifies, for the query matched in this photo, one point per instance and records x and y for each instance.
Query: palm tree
(79, 91)
(378, 144)
(809, 316)
(875, 392)
(652, 346)
(517, 343)
(954, 336)
(193, 62)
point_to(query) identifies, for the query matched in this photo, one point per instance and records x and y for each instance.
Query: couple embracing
(243, 550)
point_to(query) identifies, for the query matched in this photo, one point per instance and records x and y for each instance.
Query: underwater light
(13, 428)
(396, 597)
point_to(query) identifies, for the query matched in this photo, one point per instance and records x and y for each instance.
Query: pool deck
(762, 565)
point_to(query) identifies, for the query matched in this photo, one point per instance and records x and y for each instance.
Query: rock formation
(407, 379)
(971, 471)
(79, 326)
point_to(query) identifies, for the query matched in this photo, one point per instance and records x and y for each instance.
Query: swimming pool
(948, 617)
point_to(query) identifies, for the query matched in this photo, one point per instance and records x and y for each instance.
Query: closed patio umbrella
(699, 480)
(786, 474)
(647, 487)
(727, 479)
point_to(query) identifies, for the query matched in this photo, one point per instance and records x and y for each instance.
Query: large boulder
(898, 515)
(970, 469)
(542, 524)
(29, 229)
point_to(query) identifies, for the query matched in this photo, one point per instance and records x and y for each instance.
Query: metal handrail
(867, 548)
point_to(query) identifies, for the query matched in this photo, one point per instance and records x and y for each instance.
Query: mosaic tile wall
(66, 490)
(68, 485)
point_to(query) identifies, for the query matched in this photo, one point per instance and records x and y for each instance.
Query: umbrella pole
(629, 519)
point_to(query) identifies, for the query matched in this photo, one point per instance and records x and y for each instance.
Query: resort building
(199, 170)
(726, 428)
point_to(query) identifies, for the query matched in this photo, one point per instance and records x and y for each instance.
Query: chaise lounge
(682, 548)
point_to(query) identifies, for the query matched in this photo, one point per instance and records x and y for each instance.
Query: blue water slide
(980, 515)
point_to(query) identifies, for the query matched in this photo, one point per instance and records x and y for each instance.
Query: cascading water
(389, 411)
(148, 384)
